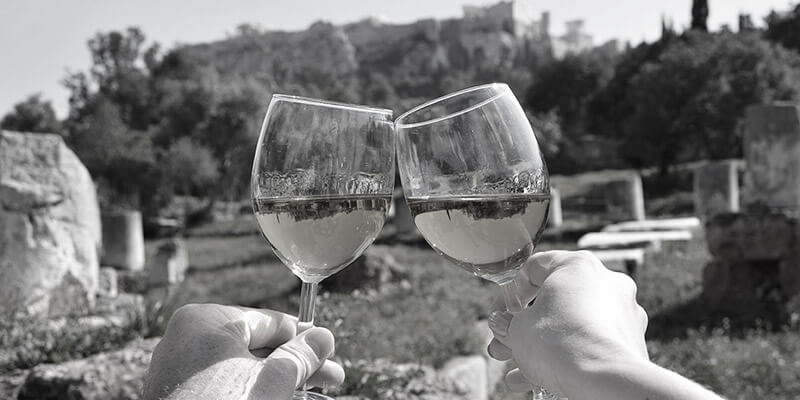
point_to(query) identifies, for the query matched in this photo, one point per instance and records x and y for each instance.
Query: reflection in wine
(318, 236)
(489, 236)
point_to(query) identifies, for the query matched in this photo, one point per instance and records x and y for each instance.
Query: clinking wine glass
(475, 182)
(321, 186)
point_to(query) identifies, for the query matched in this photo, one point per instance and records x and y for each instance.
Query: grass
(221, 252)
(425, 317)
(242, 225)
(24, 344)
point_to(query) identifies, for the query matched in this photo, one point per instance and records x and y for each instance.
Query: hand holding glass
(475, 181)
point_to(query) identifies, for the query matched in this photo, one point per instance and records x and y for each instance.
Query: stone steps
(622, 246)
(667, 224)
(616, 240)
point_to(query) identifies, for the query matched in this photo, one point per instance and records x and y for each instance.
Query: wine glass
(321, 185)
(475, 181)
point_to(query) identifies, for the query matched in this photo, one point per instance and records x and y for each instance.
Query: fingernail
(499, 321)
(320, 340)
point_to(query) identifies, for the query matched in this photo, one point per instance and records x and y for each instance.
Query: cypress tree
(700, 15)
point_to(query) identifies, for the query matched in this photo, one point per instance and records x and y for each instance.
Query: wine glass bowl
(476, 182)
(321, 186)
(474, 179)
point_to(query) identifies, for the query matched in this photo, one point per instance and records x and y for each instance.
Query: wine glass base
(302, 395)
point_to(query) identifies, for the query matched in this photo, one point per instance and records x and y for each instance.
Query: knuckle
(189, 311)
(643, 317)
(626, 282)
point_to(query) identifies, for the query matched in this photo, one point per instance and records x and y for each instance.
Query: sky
(41, 40)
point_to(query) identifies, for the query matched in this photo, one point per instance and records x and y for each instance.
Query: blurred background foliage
(151, 124)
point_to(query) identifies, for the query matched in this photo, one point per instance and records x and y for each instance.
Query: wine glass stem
(305, 319)
(510, 296)
(308, 299)
(514, 305)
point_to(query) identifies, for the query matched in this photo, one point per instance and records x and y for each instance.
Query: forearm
(637, 380)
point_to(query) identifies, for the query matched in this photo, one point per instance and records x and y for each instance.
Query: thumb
(291, 364)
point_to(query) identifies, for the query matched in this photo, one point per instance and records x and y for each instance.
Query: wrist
(632, 377)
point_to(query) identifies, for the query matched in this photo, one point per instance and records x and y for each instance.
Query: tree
(610, 105)
(700, 15)
(32, 115)
(191, 167)
(120, 69)
(110, 115)
(784, 28)
(687, 103)
(230, 132)
(566, 86)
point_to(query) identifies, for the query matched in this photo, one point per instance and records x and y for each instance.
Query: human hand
(585, 318)
(211, 351)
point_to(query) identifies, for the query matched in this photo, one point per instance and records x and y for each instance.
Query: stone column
(123, 240)
(169, 264)
(625, 199)
(772, 153)
(555, 218)
(716, 188)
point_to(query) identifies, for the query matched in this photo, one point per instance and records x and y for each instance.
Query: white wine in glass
(322, 182)
(475, 182)
(489, 236)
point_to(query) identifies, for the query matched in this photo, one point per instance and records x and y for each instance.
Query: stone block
(69, 298)
(370, 271)
(469, 373)
(742, 237)
(113, 375)
(789, 275)
(625, 199)
(716, 188)
(123, 240)
(49, 227)
(383, 379)
(169, 264)
(747, 289)
(125, 307)
(772, 153)
(107, 282)
(555, 217)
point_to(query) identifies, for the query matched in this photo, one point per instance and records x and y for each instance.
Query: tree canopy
(32, 115)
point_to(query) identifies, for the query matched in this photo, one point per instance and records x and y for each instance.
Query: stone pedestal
(772, 152)
(749, 289)
(755, 271)
(108, 282)
(625, 199)
(169, 264)
(737, 237)
(373, 269)
(123, 240)
(555, 218)
(716, 188)
(756, 267)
